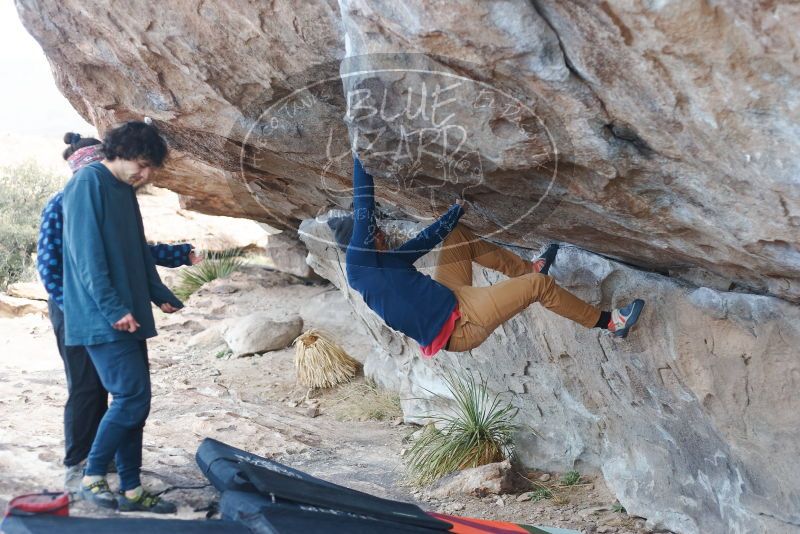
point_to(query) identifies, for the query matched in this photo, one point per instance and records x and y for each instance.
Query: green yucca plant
(217, 264)
(477, 433)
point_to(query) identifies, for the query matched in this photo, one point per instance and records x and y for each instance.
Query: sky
(30, 103)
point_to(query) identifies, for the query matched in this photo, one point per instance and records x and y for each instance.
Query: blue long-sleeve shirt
(407, 300)
(50, 252)
(108, 268)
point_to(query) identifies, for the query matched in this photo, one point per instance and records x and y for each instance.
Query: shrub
(570, 478)
(541, 494)
(477, 433)
(24, 190)
(216, 265)
(364, 401)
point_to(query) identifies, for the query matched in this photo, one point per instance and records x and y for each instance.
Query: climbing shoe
(623, 319)
(547, 259)
(145, 502)
(98, 493)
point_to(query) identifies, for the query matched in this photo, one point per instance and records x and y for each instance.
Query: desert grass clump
(478, 432)
(570, 478)
(215, 265)
(365, 401)
(321, 363)
(541, 494)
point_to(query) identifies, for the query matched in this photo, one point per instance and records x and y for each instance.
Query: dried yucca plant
(321, 363)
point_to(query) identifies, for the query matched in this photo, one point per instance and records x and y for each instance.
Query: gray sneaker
(72, 477)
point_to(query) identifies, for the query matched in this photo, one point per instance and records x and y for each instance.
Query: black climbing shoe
(549, 258)
(99, 493)
(145, 502)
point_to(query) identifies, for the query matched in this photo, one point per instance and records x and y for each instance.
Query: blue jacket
(108, 268)
(407, 300)
(50, 252)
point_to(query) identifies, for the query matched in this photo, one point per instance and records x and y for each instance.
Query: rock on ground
(17, 307)
(494, 478)
(288, 255)
(27, 290)
(260, 332)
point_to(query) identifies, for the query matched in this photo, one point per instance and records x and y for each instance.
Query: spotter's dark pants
(87, 399)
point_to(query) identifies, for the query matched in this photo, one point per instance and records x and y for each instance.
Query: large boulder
(660, 133)
(694, 420)
(288, 254)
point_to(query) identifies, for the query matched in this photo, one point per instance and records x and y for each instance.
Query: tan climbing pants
(485, 308)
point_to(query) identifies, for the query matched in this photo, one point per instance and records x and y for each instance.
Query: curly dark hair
(75, 141)
(135, 140)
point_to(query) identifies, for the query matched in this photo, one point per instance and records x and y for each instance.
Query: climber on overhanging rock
(446, 311)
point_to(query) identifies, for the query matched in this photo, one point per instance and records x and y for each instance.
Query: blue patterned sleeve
(171, 255)
(49, 250)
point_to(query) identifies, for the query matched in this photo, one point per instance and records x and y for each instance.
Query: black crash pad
(290, 518)
(232, 469)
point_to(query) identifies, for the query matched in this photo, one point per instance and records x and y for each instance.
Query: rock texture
(661, 133)
(693, 421)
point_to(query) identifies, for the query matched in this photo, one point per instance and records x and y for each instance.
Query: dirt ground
(253, 403)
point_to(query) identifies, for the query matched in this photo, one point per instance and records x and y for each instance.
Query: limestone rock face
(694, 420)
(660, 133)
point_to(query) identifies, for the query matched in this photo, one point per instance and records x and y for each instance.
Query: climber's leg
(462, 247)
(485, 308)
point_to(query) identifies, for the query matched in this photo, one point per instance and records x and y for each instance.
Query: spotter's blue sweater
(108, 268)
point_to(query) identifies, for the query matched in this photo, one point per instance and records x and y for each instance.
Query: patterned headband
(84, 156)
